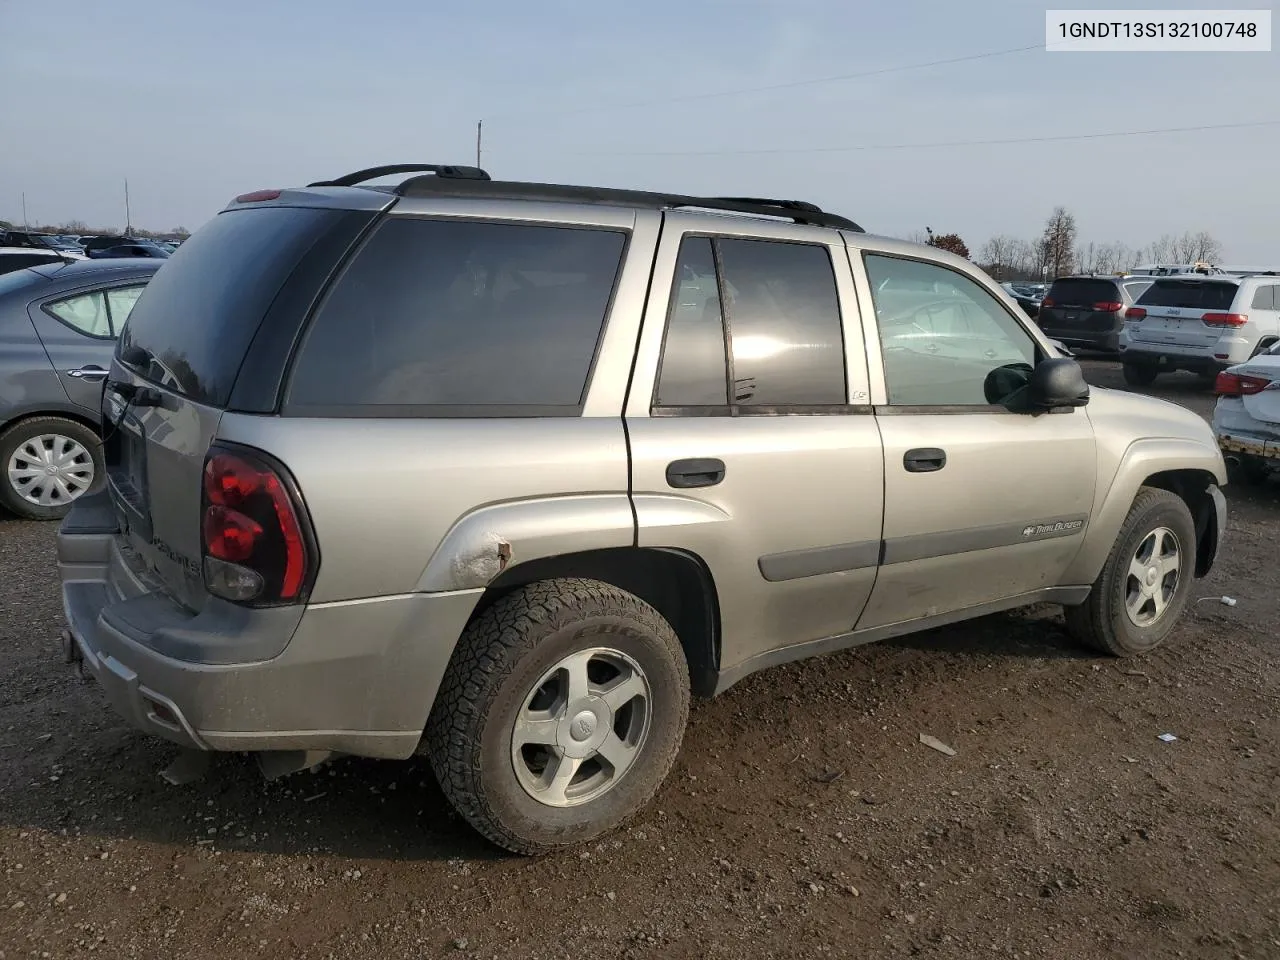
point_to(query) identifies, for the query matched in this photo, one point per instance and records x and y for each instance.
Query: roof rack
(453, 185)
(446, 171)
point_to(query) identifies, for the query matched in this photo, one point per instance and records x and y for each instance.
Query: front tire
(1140, 374)
(1145, 583)
(560, 714)
(46, 464)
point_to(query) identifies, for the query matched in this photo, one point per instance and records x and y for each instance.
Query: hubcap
(1153, 577)
(581, 727)
(50, 470)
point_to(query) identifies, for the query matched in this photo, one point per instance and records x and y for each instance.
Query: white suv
(1199, 323)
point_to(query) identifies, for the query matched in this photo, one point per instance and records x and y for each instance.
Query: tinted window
(1190, 294)
(941, 334)
(86, 313)
(784, 323)
(1082, 291)
(20, 261)
(1265, 299)
(194, 324)
(451, 313)
(120, 301)
(693, 371)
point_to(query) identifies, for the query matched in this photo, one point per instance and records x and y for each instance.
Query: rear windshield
(459, 318)
(192, 327)
(1082, 291)
(1190, 294)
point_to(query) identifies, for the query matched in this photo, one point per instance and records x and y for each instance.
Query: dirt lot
(804, 817)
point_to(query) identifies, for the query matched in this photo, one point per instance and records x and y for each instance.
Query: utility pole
(479, 136)
(128, 219)
(25, 224)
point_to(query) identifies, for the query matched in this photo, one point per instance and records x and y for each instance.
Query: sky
(194, 102)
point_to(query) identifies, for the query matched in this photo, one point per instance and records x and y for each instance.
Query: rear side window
(192, 327)
(86, 313)
(1083, 292)
(1190, 294)
(1265, 298)
(456, 317)
(775, 304)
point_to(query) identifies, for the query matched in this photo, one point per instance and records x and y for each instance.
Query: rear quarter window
(457, 317)
(1190, 294)
(191, 329)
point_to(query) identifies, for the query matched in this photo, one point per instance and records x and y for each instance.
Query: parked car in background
(39, 241)
(1246, 419)
(1087, 312)
(135, 248)
(1202, 323)
(20, 258)
(595, 496)
(1025, 296)
(91, 245)
(58, 327)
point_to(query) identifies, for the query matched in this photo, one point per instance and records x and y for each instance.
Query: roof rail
(447, 171)
(798, 211)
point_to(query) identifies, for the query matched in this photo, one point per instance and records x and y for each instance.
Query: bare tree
(1059, 239)
(997, 255)
(916, 236)
(1197, 247)
(1163, 250)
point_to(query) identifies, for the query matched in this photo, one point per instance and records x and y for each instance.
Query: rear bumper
(1107, 341)
(1168, 358)
(356, 677)
(1268, 448)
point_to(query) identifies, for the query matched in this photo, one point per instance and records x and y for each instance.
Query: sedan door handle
(702, 472)
(90, 372)
(924, 460)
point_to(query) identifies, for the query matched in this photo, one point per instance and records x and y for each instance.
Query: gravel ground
(804, 817)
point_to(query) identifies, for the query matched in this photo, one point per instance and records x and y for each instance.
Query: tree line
(1058, 251)
(81, 229)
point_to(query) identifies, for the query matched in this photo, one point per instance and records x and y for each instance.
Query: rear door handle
(91, 372)
(700, 472)
(924, 460)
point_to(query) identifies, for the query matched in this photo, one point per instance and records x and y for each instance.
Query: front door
(79, 333)
(754, 447)
(981, 504)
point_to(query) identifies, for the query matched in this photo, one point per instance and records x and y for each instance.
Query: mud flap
(281, 763)
(187, 767)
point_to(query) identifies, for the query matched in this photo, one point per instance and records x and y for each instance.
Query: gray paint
(923, 546)
(819, 560)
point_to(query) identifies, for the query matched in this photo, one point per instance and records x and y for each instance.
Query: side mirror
(1057, 383)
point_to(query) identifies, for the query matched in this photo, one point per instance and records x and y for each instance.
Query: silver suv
(504, 473)
(1199, 323)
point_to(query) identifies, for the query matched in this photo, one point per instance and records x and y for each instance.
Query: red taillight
(256, 549)
(1108, 306)
(257, 196)
(1046, 302)
(1135, 313)
(1225, 319)
(1239, 385)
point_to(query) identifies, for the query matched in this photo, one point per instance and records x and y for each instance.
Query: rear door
(184, 346)
(752, 441)
(1172, 311)
(79, 331)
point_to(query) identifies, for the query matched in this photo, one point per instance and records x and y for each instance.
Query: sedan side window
(86, 313)
(942, 334)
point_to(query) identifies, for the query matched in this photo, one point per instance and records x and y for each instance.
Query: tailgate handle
(924, 460)
(702, 472)
(91, 373)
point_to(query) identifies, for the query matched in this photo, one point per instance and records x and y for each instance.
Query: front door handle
(92, 372)
(924, 460)
(700, 472)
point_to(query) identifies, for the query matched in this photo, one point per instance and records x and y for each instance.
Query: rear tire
(530, 690)
(29, 448)
(1144, 585)
(1140, 374)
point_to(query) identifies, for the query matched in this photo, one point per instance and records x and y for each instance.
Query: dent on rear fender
(486, 541)
(1116, 491)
